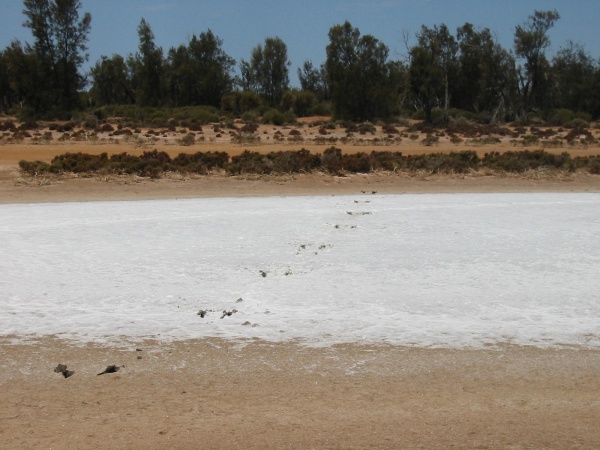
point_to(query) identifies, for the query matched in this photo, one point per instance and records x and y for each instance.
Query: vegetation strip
(155, 163)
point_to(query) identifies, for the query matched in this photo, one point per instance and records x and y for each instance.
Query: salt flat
(457, 270)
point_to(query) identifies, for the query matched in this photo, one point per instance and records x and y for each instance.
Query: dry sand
(213, 394)
(217, 394)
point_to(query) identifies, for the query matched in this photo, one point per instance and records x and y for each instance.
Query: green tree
(26, 79)
(574, 75)
(111, 82)
(358, 74)
(487, 77)
(148, 69)
(433, 69)
(60, 42)
(267, 73)
(299, 102)
(531, 41)
(313, 79)
(200, 73)
(7, 97)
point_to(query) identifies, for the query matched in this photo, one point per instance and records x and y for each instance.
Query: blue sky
(303, 25)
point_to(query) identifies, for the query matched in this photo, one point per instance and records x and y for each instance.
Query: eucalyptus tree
(531, 41)
(358, 74)
(112, 82)
(148, 68)
(267, 72)
(7, 96)
(59, 46)
(575, 75)
(487, 76)
(199, 73)
(313, 79)
(433, 69)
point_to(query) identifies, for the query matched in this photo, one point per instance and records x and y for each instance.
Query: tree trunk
(446, 100)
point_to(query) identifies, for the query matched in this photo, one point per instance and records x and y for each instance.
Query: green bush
(527, 160)
(356, 163)
(454, 162)
(593, 165)
(154, 163)
(577, 124)
(250, 162)
(386, 160)
(331, 160)
(34, 168)
(294, 161)
(324, 108)
(430, 140)
(366, 127)
(274, 117)
(187, 140)
(200, 162)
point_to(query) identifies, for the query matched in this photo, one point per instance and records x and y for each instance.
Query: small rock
(263, 273)
(138, 349)
(60, 368)
(110, 369)
(246, 323)
(239, 300)
(139, 357)
(228, 313)
(202, 313)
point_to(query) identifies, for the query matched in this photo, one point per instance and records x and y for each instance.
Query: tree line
(444, 73)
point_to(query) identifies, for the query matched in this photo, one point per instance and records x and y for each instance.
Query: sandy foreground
(218, 394)
(214, 394)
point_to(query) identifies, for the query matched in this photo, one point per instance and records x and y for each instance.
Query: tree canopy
(358, 74)
(267, 73)
(443, 71)
(46, 74)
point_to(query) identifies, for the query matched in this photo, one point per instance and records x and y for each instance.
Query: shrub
(356, 163)
(7, 125)
(29, 125)
(187, 140)
(106, 128)
(274, 117)
(577, 124)
(34, 168)
(527, 160)
(387, 160)
(593, 165)
(331, 160)
(530, 139)
(239, 103)
(366, 127)
(430, 139)
(250, 127)
(294, 161)
(200, 162)
(351, 127)
(324, 108)
(390, 129)
(559, 117)
(486, 140)
(462, 125)
(250, 162)
(454, 162)
(78, 162)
